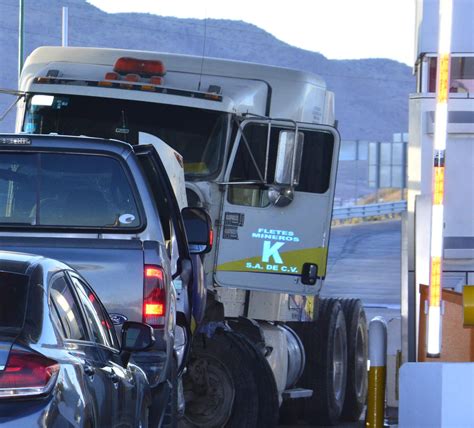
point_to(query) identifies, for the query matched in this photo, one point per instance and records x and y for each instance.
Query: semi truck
(260, 149)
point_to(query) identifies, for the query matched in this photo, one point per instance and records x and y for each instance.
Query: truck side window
(315, 169)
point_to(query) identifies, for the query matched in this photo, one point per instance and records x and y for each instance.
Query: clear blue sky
(339, 29)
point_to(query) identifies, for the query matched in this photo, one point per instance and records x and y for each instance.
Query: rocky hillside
(371, 95)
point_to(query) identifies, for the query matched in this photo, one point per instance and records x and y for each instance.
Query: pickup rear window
(65, 190)
(13, 288)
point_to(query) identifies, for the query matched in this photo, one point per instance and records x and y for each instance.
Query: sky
(338, 29)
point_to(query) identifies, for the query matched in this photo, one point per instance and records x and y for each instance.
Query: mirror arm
(19, 97)
(294, 156)
(125, 357)
(244, 138)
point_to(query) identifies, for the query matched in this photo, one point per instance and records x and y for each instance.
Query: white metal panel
(428, 21)
(436, 395)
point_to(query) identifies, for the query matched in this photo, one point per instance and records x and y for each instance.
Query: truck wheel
(357, 349)
(219, 388)
(268, 403)
(326, 364)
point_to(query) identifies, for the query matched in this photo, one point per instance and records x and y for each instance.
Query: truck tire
(268, 403)
(357, 349)
(325, 342)
(220, 388)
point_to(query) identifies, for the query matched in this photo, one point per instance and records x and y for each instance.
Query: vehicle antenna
(203, 52)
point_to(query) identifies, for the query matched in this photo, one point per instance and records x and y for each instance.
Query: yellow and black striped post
(374, 417)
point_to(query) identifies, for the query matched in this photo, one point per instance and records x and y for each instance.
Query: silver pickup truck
(108, 209)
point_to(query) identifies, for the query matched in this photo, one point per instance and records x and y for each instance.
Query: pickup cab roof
(15, 141)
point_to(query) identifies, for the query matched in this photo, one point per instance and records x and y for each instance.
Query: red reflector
(132, 77)
(154, 309)
(26, 370)
(151, 272)
(156, 80)
(111, 76)
(143, 67)
(211, 237)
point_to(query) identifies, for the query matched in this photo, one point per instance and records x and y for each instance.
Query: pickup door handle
(89, 370)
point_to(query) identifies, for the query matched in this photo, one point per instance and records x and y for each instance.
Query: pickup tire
(325, 342)
(357, 349)
(219, 387)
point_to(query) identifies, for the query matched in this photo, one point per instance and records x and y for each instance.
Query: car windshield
(65, 190)
(14, 289)
(198, 135)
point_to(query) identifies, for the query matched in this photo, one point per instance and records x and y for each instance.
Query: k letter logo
(272, 251)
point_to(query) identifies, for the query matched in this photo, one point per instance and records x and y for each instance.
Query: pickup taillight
(154, 296)
(26, 374)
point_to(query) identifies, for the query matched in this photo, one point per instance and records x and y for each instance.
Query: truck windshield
(65, 190)
(198, 135)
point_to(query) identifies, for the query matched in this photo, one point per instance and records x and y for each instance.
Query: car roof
(19, 263)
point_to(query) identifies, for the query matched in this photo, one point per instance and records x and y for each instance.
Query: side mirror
(198, 229)
(288, 162)
(137, 336)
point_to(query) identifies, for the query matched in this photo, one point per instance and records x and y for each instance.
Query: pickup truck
(109, 210)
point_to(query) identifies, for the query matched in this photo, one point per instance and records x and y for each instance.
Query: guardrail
(369, 210)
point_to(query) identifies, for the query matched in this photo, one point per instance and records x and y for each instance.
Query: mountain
(371, 94)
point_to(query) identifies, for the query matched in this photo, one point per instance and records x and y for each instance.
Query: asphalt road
(364, 262)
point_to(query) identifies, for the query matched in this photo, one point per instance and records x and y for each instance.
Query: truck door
(277, 207)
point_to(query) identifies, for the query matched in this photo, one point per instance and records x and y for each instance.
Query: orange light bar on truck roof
(143, 67)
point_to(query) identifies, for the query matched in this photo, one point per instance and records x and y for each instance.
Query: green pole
(21, 24)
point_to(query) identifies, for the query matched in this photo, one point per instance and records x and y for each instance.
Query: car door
(99, 393)
(124, 385)
(265, 244)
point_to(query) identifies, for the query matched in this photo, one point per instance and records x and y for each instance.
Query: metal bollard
(374, 417)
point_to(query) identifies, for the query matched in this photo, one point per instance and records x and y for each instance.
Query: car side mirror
(288, 162)
(198, 229)
(137, 336)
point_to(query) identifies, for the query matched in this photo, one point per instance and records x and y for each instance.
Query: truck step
(292, 394)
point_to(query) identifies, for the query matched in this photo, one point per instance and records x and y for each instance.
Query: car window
(14, 291)
(71, 323)
(99, 323)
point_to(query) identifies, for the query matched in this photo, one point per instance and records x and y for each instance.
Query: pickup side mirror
(137, 336)
(198, 229)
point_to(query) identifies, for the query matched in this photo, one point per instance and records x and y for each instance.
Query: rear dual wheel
(357, 350)
(327, 364)
(336, 365)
